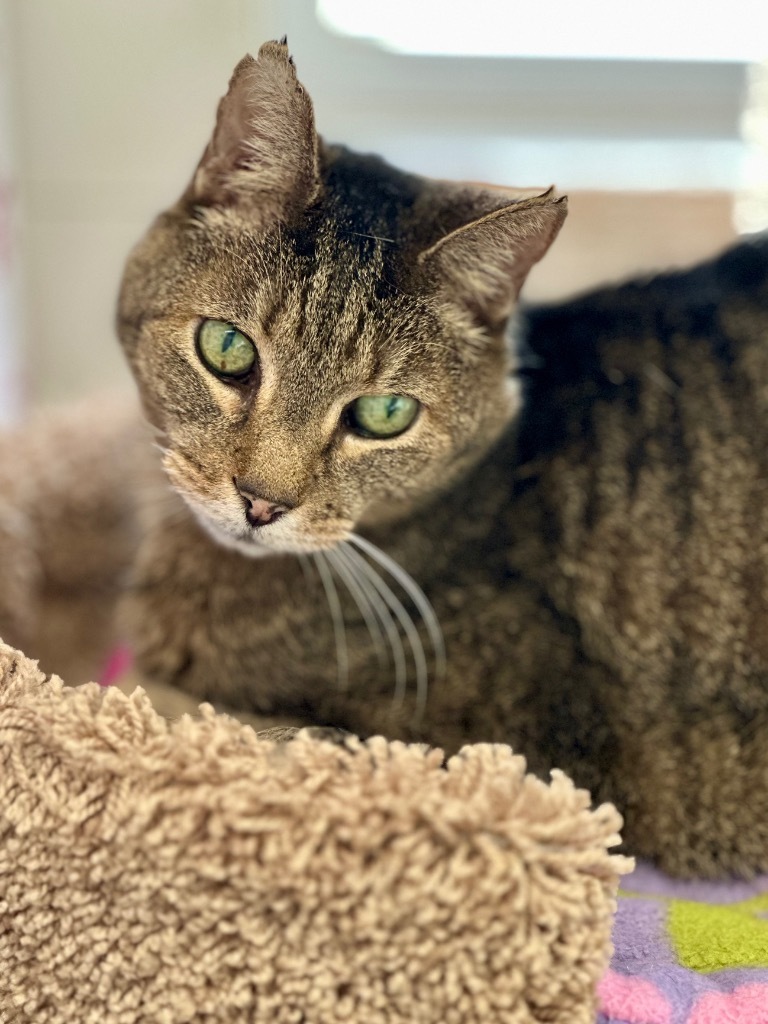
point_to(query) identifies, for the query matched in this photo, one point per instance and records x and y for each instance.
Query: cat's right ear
(264, 149)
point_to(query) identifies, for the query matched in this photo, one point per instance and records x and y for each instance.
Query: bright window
(586, 29)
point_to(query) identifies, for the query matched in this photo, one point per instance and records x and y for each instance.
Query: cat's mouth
(282, 535)
(244, 542)
(252, 525)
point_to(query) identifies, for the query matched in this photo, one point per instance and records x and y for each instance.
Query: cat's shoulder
(577, 329)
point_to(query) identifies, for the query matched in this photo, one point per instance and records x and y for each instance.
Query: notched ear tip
(548, 196)
(264, 146)
(272, 58)
(273, 62)
(276, 50)
(485, 262)
(561, 205)
(556, 204)
(561, 201)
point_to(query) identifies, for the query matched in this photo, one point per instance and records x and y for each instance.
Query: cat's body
(584, 507)
(601, 577)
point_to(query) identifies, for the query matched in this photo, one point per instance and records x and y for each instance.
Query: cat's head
(319, 337)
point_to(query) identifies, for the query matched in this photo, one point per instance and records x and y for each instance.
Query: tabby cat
(406, 507)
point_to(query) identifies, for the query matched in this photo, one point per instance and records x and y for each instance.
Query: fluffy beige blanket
(193, 871)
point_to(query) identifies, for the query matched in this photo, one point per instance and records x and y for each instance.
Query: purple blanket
(688, 952)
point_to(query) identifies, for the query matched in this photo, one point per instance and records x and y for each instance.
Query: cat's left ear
(484, 264)
(264, 149)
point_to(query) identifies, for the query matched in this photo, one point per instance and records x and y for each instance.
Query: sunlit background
(653, 117)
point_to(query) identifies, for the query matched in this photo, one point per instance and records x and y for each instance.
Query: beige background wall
(113, 102)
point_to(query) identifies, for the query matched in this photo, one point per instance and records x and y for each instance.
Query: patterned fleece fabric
(688, 952)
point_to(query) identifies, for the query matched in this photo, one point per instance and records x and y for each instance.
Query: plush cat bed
(193, 871)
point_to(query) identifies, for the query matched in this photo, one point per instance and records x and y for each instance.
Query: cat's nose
(260, 511)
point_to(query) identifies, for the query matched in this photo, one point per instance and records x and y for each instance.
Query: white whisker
(306, 568)
(416, 594)
(339, 630)
(361, 599)
(408, 627)
(384, 615)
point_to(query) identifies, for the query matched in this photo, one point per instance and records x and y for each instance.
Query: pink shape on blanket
(747, 1004)
(634, 1000)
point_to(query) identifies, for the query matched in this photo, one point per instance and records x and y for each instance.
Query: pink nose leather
(260, 512)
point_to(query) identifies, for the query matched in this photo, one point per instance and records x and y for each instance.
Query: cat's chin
(251, 548)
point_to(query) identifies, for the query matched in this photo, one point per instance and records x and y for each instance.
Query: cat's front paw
(327, 733)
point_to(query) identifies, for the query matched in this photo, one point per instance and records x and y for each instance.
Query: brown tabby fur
(585, 508)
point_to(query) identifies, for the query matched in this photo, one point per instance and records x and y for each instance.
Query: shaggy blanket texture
(156, 873)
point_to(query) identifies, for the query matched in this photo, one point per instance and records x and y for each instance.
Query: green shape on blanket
(711, 937)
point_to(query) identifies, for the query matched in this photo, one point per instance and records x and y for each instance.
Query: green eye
(226, 351)
(382, 415)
